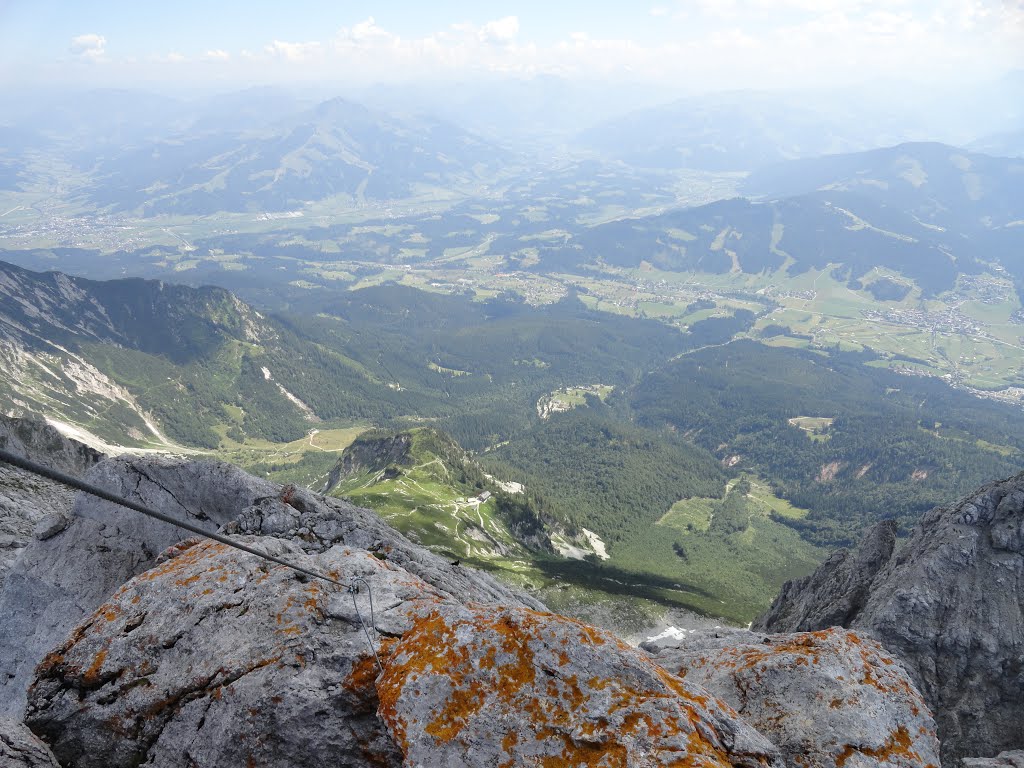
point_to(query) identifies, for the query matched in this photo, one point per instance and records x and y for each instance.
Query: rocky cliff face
(949, 604)
(370, 453)
(25, 499)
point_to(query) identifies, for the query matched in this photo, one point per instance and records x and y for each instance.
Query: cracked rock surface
(215, 658)
(1011, 759)
(61, 577)
(827, 699)
(25, 499)
(19, 748)
(497, 687)
(949, 604)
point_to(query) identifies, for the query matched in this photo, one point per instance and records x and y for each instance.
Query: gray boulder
(949, 605)
(19, 748)
(77, 561)
(216, 658)
(824, 698)
(61, 579)
(27, 499)
(502, 686)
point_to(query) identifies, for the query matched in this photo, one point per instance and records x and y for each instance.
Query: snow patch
(595, 541)
(671, 633)
(307, 412)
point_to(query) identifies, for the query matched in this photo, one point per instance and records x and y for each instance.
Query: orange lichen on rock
(541, 689)
(897, 745)
(92, 674)
(839, 689)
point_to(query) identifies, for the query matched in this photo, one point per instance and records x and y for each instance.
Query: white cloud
(367, 30)
(500, 31)
(91, 46)
(294, 51)
(703, 44)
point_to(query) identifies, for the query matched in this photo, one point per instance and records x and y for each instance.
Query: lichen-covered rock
(498, 687)
(217, 658)
(61, 579)
(949, 604)
(827, 699)
(19, 748)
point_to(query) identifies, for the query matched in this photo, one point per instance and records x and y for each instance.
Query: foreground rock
(215, 658)
(824, 698)
(500, 686)
(20, 749)
(950, 605)
(25, 499)
(61, 579)
(63, 575)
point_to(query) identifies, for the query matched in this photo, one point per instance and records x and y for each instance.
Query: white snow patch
(569, 550)
(595, 541)
(671, 633)
(307, 412)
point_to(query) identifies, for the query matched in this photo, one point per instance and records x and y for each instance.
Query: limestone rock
(217, 658)
(61, 579)
(25, 499)
(836, 591)
(949, 604)
(1012, 759)
(826, 699)
(20, 749)
(499, 686)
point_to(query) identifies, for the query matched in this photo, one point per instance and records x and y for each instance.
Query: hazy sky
(702, 44)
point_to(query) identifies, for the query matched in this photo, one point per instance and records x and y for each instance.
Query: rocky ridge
(948, 604)
(26, 500)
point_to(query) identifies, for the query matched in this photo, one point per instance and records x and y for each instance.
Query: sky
(696, 44)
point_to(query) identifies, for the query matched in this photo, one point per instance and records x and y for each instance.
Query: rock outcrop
(79, 561)
(216, 658)
(25, 499)
(949, 605)
(824, 698)
(19, 748)
(59, 580)
(501, 686)
(837, 591)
